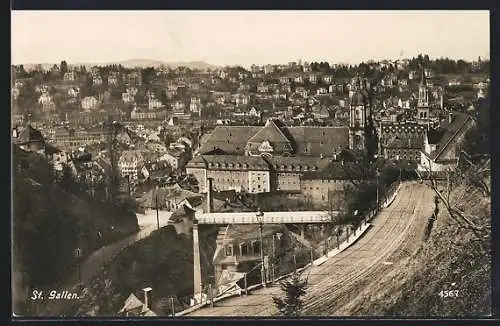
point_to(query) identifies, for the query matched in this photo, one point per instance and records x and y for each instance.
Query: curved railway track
(341, 279)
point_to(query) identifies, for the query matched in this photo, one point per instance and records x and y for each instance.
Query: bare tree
(471, 176)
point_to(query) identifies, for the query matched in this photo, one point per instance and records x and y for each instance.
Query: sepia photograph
(278, 164)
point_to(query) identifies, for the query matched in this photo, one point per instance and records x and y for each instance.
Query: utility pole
(172, 306)
(246, 285)
(157, 214)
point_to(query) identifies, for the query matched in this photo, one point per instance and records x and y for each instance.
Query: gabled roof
(315, 141)
(29, 134)
(131, 303)
(447, 132)
(230, 139)
(271, 132)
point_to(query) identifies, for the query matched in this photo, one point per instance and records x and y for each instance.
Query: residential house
(429, 73)
(238, 254)
(132, 90)
(327, 79)
(302, 91)
(154, 103)
(321, 91)
(74, 92)
(412, 75)
(45, 100)
(240, 99)
(299, 79)
(255, 68)
(285, 80)
(133, 79)
(89, 103)
(131, 163)
(128, 97)
(222, 74)
(262, 88)
(70, 76)
(176, 157)
(156, 171)
(313, 78)
(179, 106)
(268, 69)
(306, 67)
(404, 103)
(403, 82)
(242, 75)
(321, 112)
(113, 79)
(96, 80)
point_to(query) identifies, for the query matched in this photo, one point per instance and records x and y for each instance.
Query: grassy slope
(42, 211)
(163, 261)
(448, 256)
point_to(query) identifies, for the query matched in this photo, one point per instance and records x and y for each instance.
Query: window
(229, 250)
(244, 249)
(256, 247)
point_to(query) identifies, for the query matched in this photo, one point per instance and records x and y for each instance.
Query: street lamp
(260, 219)
(378, 177)
(78, 255)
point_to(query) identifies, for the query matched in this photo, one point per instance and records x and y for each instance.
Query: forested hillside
(49, 223)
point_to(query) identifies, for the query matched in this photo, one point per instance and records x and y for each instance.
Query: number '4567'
(448, 293)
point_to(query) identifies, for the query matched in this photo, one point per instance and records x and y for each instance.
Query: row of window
(243, 249)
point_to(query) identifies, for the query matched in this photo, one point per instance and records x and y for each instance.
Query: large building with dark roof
(258, 159)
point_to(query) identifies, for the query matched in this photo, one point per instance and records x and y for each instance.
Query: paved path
(334, 283)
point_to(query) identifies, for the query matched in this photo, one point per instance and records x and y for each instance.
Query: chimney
(210, 204)
(450, 117)
(146, 290)
(196, 263)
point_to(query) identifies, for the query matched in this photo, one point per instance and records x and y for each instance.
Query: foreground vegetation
(50, 223)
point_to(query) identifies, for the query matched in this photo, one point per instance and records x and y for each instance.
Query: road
(90, 267)
(332, 285)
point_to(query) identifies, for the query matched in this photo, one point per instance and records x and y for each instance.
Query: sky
(246, 37)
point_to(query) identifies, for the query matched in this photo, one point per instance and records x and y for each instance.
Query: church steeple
(423, 102)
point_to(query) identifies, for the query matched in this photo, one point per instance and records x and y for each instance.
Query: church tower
(361, 131)
(423, 102)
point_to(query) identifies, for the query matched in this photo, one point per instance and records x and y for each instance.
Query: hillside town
(259, 130)
(288, 140)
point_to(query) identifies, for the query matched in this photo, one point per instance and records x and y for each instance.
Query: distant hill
(134, 63)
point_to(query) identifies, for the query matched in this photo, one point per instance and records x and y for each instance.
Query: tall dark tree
(290, 305)
(64, 67)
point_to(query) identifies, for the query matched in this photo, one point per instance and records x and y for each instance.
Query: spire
(423, 83)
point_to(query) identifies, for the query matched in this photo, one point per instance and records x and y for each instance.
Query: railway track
(334, 284)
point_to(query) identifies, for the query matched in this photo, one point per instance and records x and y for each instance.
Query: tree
(290, 305)
(64, 67)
